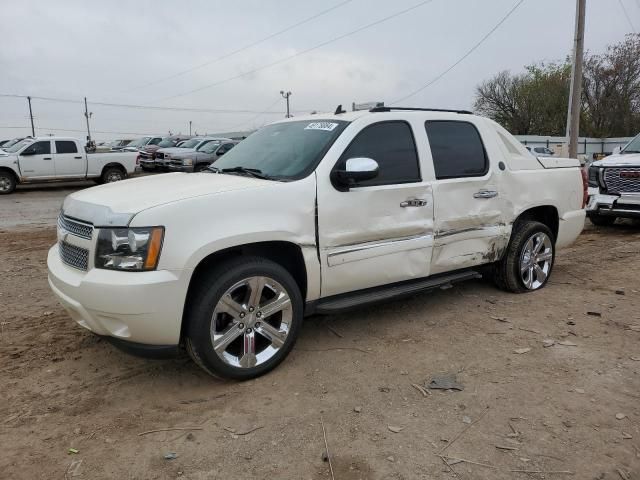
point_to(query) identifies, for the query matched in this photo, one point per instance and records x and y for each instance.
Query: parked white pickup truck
(317, 214)
(46, 159)
(614, 185)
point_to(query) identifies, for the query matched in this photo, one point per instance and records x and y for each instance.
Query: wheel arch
(117, 165)
(287, 254)
(545, 214)
(11, 171)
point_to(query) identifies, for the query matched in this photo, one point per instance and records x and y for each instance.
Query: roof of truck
(351, 116)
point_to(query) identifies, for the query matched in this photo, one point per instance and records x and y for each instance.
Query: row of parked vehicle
(176, 153)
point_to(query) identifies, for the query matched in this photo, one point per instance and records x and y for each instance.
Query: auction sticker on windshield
(327, 126)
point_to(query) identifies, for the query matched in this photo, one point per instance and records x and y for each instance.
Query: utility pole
(286, 96)
(33, 130)
(87, 115)
(189, 127)
(575, 91)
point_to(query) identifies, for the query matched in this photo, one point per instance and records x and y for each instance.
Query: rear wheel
(528, 262)
(7, 182)
(602, 220)
(112, 174)
(244, 318)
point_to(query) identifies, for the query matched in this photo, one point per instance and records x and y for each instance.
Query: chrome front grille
(73, 256)
(622, 179)
(74, 227)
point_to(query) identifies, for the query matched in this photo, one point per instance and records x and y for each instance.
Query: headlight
(132, 249)
(187, 162)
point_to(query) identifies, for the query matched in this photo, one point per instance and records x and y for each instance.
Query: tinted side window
(390, 144)
(457, 149)
(66, 146)
(40, 148)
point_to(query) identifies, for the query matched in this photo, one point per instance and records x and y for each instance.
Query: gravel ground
(571, 407)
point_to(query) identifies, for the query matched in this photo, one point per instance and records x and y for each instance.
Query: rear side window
(390, 144)
(457, 149)
(66, 146)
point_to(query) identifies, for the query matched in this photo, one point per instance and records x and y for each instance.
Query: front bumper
(624, 205)
(132, 307)
(180, 168)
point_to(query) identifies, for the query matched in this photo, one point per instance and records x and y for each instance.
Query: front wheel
(244, 318)
(527, 264)
(7, 182)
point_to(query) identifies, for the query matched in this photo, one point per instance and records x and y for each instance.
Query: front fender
(198, 227)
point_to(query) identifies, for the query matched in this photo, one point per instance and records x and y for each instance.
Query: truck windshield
(167, 142)
(17, 146)
(141, 142)
(209, 147)
(288, 150)
(633, 146)
(191, 143)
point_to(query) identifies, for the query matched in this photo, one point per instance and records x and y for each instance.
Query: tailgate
(553, 162)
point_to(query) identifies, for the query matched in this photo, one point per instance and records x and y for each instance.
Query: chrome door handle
(413, 202)
(485, 194)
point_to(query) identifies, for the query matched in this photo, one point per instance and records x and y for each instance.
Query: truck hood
(173, 150)
(115, 204)
(623, 160)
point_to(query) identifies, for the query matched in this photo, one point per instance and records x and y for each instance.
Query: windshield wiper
(630, 151)
(252, 172)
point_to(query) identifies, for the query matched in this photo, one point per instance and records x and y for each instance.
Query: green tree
(535, 102)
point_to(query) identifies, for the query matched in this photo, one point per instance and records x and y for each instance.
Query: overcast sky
(122, 51)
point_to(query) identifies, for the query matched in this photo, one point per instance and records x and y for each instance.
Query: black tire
(201, 167)
(8, 182)
(506, 273)
(602, 220)
(112, 174)
(199, 315)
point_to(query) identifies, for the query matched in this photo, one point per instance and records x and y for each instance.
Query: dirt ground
(570, 410)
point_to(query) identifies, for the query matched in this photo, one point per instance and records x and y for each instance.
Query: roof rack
(388, 109)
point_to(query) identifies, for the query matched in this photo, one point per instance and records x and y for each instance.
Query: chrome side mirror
(357, 170)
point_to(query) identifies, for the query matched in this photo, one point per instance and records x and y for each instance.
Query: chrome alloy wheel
(536, 260)
(114, 176)
(251, 321)
(5, 184)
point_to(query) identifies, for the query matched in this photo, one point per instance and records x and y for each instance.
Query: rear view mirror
(617, 150)
(28, 151)
(357, 170)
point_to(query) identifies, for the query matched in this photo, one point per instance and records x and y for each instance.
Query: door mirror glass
(356, 170)
(28, 151)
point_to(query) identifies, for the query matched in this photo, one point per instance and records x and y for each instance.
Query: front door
(469, 223)
(69, 162)
(380, 230)
(36, 161)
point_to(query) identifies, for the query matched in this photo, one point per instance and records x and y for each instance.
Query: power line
(142, 107)
(250, 121)
(246, 47)
(461, 59)
(626, 14)
(285, 59)
(74, 130)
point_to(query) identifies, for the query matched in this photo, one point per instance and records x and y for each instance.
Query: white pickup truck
(46, 159)
(317, 214)
(614, 185)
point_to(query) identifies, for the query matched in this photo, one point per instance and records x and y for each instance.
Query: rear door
(36, 161)
(379, 231)
(69, 162)
(470, 227)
